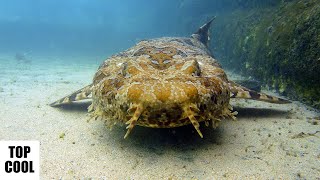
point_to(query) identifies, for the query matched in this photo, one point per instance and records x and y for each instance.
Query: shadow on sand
(181, 139)
(244, 113)
(75, 106)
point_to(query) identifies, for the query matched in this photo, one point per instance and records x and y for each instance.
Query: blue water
(83, 26)
(97, 27)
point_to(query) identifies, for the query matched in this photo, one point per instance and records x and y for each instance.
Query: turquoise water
(98, 27)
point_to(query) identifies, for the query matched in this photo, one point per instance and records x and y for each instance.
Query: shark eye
(192, 68)
(154, 51)
(166, 61)
(124, 68)
(155, 62)
(128, 69)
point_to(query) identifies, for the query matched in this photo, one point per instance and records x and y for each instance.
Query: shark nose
(159, 97)
(163, 92)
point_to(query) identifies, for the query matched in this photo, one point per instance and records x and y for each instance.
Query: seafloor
(267, 141)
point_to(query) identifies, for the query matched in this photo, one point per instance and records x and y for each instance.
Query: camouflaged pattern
(163, 83)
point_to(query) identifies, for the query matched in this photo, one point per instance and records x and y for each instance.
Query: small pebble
(62, 135)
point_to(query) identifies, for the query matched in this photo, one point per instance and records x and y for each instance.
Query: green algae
(278, 46)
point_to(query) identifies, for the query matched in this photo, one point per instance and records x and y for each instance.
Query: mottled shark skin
(164, 83)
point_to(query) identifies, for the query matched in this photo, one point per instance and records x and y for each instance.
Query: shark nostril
(214, 99)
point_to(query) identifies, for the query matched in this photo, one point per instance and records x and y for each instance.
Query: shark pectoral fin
(81, 94)
(238, 91)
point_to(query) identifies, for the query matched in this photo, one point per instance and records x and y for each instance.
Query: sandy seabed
(267, 141)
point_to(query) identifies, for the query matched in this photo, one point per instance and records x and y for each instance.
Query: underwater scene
(170, 89)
